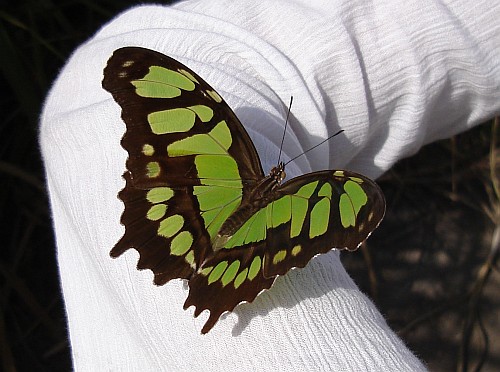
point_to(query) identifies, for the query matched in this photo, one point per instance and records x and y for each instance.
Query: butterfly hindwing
(308, 215)
(197, 204)
(157, 221)
(227, 278)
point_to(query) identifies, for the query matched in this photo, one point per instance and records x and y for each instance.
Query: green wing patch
(197, 204)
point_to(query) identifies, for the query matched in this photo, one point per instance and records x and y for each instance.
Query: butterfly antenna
(284, 130)
(312, 148)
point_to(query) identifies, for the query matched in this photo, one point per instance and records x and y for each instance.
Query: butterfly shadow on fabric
(316, 280)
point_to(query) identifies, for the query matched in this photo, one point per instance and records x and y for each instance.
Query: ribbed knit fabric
(394, 75)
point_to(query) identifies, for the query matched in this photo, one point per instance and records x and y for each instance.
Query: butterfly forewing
(330, 209)
(192, 168)
(163, 102)
(180, 133)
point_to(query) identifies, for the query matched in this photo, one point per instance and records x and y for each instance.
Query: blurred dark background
(431, 267)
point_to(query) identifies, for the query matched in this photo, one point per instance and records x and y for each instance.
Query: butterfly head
(278, 173)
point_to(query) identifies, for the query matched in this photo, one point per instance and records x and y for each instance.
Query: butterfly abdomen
(259, 198)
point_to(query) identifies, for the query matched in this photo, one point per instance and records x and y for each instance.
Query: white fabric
(394, 75)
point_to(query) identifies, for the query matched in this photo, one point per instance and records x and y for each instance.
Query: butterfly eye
(282, 176)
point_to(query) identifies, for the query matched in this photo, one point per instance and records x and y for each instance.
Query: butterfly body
(197, 203)
(261, 195)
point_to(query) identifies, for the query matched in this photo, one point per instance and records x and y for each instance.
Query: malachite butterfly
(197, 203)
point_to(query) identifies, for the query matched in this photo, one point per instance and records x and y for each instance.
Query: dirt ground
(421, 266)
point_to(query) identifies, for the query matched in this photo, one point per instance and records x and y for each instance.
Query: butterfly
(198, 205)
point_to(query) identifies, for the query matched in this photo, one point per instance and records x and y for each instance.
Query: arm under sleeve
(394, 75)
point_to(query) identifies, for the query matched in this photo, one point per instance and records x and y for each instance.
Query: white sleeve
(394, 75)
